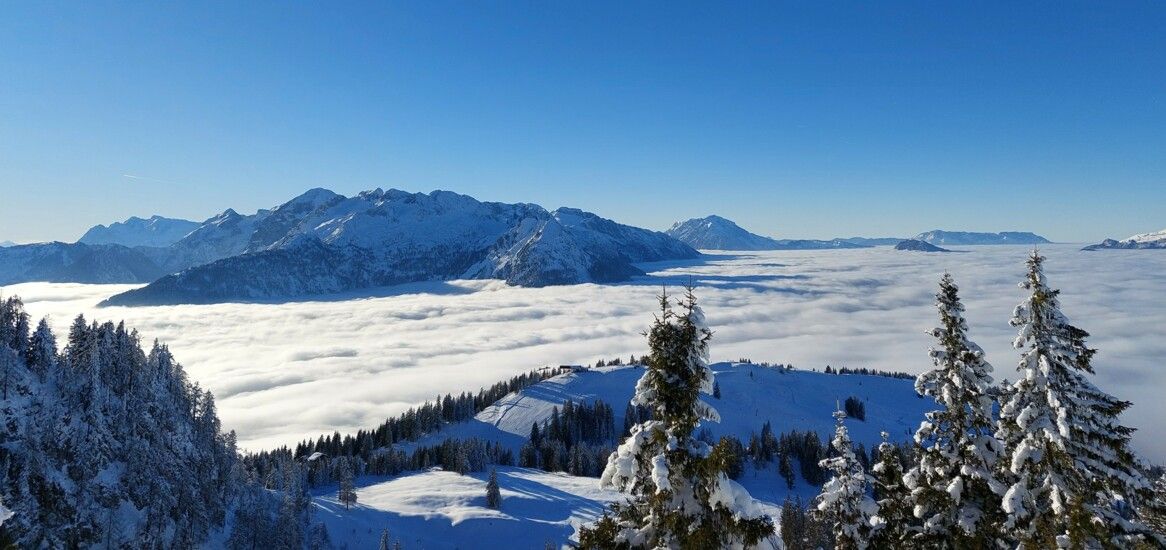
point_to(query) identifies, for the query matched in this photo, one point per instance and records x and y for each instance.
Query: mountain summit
(322, 242)
(1156, 239)
(154, 231)
(717, 233)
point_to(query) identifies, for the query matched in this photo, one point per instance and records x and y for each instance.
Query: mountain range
(1156, 239)
(717, 233)
(941, 237)
(321, 242)
(155, 231)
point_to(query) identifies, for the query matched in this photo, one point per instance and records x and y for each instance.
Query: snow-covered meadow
(285, 371)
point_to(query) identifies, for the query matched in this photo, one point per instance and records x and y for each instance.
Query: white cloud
(283, 372)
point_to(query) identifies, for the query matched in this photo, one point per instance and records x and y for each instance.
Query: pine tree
(953, 485)
(1072, 471)
(844, 500)
(1155, 511)
(893, 522)
(493, 493)
(384, 545)
(680, 494)
(347, 492)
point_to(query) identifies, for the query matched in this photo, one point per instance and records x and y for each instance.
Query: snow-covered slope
(436, 509)
(155, 231)
(440, 510)
(222, 236)
(941, 237)
(1156, 239)
(6, 244)
(322, 242)
(717, 233)
(750, 396)
(914, 245)
(75, 263)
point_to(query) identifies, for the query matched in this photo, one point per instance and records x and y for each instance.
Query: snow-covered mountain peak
(717, 233)
(1156, 240)
(1149, 237)
(322, 242)
(155, 231)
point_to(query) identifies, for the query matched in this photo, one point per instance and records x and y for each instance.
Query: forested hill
(103, 443)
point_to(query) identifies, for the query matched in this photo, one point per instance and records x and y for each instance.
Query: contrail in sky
(155, 180)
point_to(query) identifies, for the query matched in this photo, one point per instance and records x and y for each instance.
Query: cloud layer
(283, 372)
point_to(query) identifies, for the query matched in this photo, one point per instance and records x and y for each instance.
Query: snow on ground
(283, 372)
(750, 396)
(436, 510)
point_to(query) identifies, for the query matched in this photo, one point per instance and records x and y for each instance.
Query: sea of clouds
(284, 372)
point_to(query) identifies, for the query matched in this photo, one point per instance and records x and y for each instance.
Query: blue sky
(796, 120)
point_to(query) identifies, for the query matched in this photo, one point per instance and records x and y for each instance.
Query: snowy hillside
(717, 233)
(940, 237)
(1156, 239)
(75, 263)
(322, 242)
(438, 509)
(155, 232)
(441, 510)
(750, 396)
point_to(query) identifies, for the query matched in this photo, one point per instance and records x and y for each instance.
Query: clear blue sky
(796, 120)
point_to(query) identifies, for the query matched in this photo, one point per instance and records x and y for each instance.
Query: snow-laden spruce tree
(1074, 480)
(493, 492)
(1155, 512)
(893, 524)
(680, 497)
(953, 485)
(844, 501)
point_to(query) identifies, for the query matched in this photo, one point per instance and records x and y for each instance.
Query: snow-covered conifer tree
(844, 501)
(347, 492)
(493, 493)
(892, 525)
(1073, 473)
(680, 494)
(953, 485)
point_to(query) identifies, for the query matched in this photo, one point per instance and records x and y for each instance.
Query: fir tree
(1155, 511)
(384, 545)
(953, 485)
(680, 494)
(493, 493)
(347, 492)
(844, 500)
(893, 522)
(1068, 457)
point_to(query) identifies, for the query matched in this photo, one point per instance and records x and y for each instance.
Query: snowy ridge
(717, 233)
(322, 242)
(941, 237)
(75, 263)
(1149, 237)
(156, 231)
(1156, 239)
(750, 395)
(436, 509)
